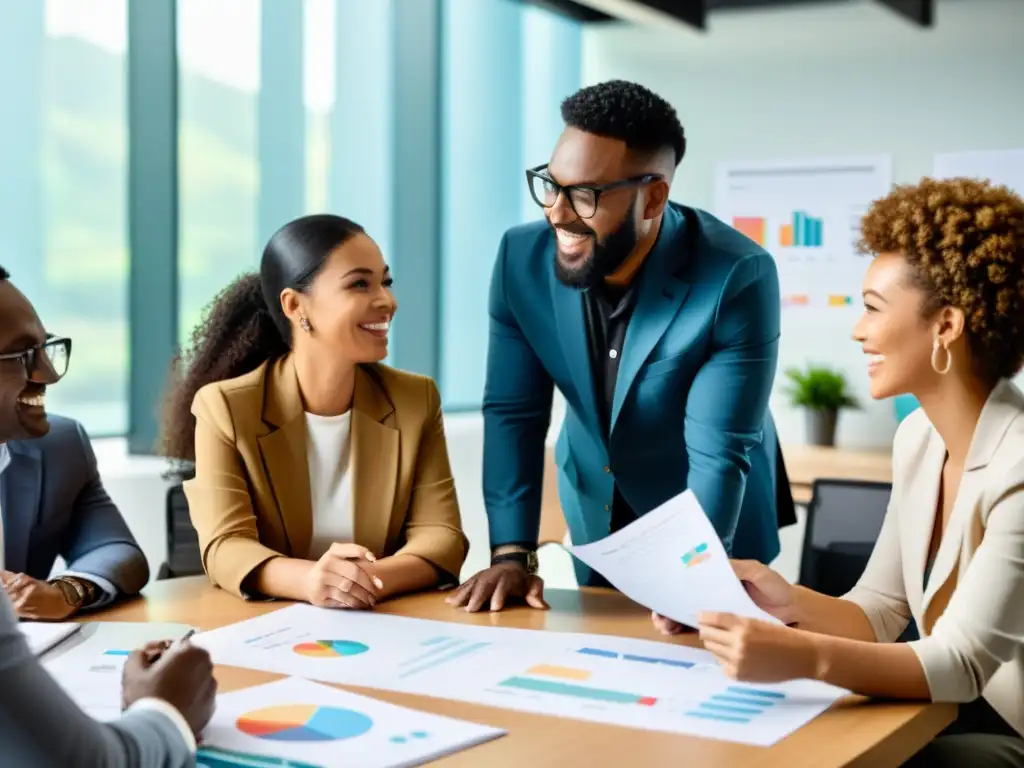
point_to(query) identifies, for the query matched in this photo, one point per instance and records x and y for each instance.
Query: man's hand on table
(495, 585)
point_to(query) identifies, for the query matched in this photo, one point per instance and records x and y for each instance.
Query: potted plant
(823, 393)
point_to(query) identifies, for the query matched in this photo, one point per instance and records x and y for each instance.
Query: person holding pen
(168, 690)
(944, 321)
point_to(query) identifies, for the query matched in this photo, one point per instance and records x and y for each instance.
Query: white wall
(826, 80)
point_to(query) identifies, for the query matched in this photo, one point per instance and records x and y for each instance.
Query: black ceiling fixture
(695, 12)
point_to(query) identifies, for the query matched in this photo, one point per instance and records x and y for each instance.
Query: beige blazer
(971, 613)
(250, 499)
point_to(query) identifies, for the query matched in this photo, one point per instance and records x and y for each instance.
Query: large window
(63, 182)
(218, 86)
(506, 69)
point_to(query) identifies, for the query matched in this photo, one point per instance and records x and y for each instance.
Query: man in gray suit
(168, 690)
(54, 503)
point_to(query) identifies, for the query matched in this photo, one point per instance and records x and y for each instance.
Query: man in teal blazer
(660, 326)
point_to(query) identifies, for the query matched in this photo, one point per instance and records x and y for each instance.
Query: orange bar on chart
(568, 673)
(751, 226)
(786, 235)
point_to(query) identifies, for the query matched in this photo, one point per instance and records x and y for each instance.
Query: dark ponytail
(245, 325)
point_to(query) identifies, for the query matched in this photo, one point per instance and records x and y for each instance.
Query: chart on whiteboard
(807, 214)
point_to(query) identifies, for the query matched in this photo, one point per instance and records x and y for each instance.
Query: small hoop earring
(936, 346)
(304, 324)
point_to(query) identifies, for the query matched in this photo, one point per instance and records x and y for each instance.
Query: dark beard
(606, 256)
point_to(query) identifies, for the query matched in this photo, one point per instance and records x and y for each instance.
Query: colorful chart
(577, 691)
(303, 722)
(738, 704)
(805, 232)
(752, 226)
(331, 648)
(633, 657)
(696, 556)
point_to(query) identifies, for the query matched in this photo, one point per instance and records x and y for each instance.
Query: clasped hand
(35, 599)
(344, 578)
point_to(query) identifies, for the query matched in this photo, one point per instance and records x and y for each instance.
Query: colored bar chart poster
(807, 214)
(636, 683)
(294, 722)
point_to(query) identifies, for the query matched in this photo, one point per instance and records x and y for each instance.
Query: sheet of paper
(322, 726)
(672, 561)
(89, 665)
(42, 636)
(645, 684)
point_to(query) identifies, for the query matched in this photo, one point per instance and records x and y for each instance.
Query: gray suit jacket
(54, 503)
(40, 727)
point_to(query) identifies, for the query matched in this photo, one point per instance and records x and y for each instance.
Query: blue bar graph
(743, 700)
(731, 710)
(759, 692)
(633, 657)
(714, 716)
(599, 652)
(807, 230)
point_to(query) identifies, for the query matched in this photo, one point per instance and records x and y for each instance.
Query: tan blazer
(250, 499)
(971, 613)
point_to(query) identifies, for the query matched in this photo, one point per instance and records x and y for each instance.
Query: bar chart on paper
(613, 680)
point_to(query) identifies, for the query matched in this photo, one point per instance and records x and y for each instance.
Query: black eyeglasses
(45, 363)
(583, 198)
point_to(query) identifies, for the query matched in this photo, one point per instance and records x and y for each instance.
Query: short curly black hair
(964, 241)
(619, 109)
(4, 274)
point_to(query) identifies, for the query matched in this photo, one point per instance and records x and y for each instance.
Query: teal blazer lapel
(660, 295)
(572, 334)
(21, 486)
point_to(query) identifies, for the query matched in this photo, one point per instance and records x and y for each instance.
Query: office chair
(844, 519)
(183, 556)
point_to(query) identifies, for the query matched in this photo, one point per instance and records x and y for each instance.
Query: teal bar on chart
(578, 691)
(799, 235)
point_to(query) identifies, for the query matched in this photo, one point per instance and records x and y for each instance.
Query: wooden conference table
(851, 733)
(807, 463)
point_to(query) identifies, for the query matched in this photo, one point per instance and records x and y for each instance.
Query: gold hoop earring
(304, 324)
(936, 346)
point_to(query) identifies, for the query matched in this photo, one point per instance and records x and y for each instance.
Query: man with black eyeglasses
(52, 499)
(660, 326)
(168, 689)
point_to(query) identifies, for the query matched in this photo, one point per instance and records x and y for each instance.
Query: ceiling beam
(571, 10)
(688, 14)
(921, 12)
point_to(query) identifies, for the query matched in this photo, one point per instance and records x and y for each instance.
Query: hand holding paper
(672, 561)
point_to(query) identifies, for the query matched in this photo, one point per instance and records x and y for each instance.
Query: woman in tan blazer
(944, 321)
(320, 474)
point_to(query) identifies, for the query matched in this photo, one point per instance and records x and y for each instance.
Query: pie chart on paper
(327, 649)
(303, 723)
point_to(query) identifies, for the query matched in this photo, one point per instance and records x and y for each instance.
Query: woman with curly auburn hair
(320, 474)
(944, 321)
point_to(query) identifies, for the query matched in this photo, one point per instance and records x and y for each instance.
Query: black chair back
(844, 519)
(183, 555)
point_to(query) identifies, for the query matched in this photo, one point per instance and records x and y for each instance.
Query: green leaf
(819, 388)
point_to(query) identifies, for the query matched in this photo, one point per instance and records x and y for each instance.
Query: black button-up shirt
(607, 310)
